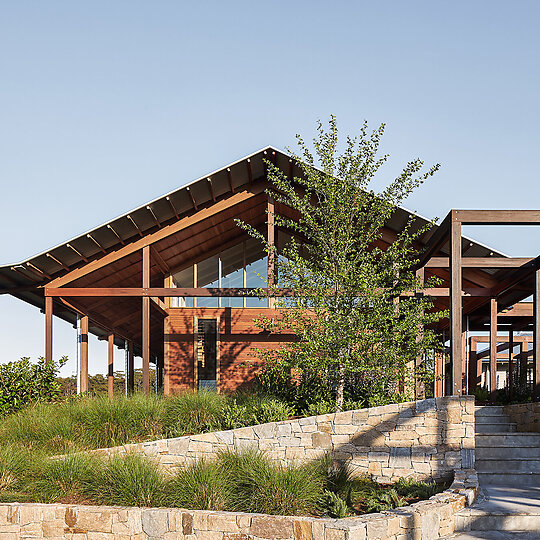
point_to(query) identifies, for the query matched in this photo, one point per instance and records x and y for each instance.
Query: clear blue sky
(106, 105)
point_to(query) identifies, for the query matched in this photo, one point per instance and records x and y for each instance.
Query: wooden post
(493, 349)
(439, 371)
(456, 349)
(419, 389)
(48, 329)
(510, 363)
(110, 358)
(84, 354)
(523, 363)
(131, 369)
(271, 240)
(146, 322)
(536, 337)
(474, 378)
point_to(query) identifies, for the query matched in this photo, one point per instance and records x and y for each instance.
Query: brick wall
(238, 336)
(424, 439)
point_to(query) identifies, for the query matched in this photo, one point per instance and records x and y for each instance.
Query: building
(167, 281)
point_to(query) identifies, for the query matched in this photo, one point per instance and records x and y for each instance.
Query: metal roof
(151, 216)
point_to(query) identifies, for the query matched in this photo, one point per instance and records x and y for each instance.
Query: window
(243, 265)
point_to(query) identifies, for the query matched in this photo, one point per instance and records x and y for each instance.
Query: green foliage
(131, 480)
(333, 505)
(202, 486)
(63, 479)
(416, 489)
(380, 501)
(86, 422)
(264, 486)
(15, 466)
(345, 284)
(22, 383)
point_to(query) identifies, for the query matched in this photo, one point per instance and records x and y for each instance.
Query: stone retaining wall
(525, 415)
(427, 520)
(423, 439)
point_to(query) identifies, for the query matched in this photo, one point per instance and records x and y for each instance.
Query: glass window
(184, 278)
(232, 274)
(256, 271)
(208, 276)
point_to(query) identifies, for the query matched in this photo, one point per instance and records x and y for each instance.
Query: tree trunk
(339, 389)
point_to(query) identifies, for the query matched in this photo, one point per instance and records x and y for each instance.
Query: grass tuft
(127, 479)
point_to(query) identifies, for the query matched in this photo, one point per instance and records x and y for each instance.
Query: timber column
(84, 354)
(456, 323)
(146, 322)
(48, 328)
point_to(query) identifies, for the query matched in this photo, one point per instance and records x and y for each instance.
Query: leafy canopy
(351, 304)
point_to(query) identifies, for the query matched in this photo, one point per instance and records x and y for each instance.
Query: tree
(351, 305)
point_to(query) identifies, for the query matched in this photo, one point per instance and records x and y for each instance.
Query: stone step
(507, 439)
(509, 427)
(493, 535)
(492, 419)
(510, 479)
(508, 466)
(502, 508)
(506, 452)
(488, 410)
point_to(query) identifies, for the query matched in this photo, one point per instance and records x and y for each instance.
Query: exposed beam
(154, 217)
(57, 261)
(160, 306)
(249, 170)
(497, 217)
(211, 189)
(101, 248)
(173, 208)
(140, 233)
(164, 267)
(77, 252)
(221, 291)
(229, 178)
(192, 198)
(162, 233)
(481, 262)
(120, 239)
(434, 244)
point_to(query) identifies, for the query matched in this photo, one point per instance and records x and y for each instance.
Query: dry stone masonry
(427, 520)
(423, 439)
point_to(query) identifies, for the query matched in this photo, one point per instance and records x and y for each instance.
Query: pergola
(116, 278)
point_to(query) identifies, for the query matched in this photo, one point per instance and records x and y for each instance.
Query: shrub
(129, 480)
(22, 382)
(382, 500)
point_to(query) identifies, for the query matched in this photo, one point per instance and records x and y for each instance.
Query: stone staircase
(504, 456)
(508, 467)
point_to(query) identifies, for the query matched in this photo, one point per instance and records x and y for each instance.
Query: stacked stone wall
(428, 520)
(525, 415)
(424, 439)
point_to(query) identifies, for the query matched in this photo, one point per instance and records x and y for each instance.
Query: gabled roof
(23, 277)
